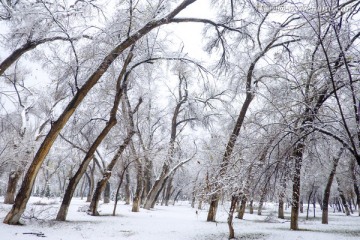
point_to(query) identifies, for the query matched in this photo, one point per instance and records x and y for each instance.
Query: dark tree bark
(325, 203)
(343, 199)
(74, 181)
(127, 188)
(169, 190)
(107, 192)
(297, 154)
(308, 203)
(176, 196)
(264, 191)
(214, 198)
(139, 186)
(119, 186)
(166, 172)
(242, 207)
(26, 47)
(281, 198)
(14, 177)
(356, 187)
(251, 205)
(107, 174)
(234, 200)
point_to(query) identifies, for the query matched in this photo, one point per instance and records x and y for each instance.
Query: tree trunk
(297, 154)
(118, 189)
(101, 185)
(147, 178)
(356, 187)
(139, 186)
(234, 200)
(242, 207)
(281, 209)
(121, 86)
(251, 206)
(308, 205)
(156, 188)
(127, 188)
(107, 192)
(23, 195)
(342, 197)
(325, 203)
(169, 190)
(176, 196)
(281, 198)
(262, 199)
(90, 178)
(14, 177)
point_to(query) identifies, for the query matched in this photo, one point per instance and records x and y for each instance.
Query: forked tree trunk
(297, 155)
(23, 195)
(325, 203)
(14, 177)
(308, 204)
(234, 200)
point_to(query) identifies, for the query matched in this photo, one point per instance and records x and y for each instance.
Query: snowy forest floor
(169, 223)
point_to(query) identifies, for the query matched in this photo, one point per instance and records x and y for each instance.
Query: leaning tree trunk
(139, 186)
(101, 185)
(251, 206)
(214, 202)
(297, 155)
(23, 195)
(325, 204)
(234, 200)
(262, 199)
(14, 177)
(342, 197)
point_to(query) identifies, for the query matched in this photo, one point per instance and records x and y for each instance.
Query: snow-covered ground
(169, 223)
